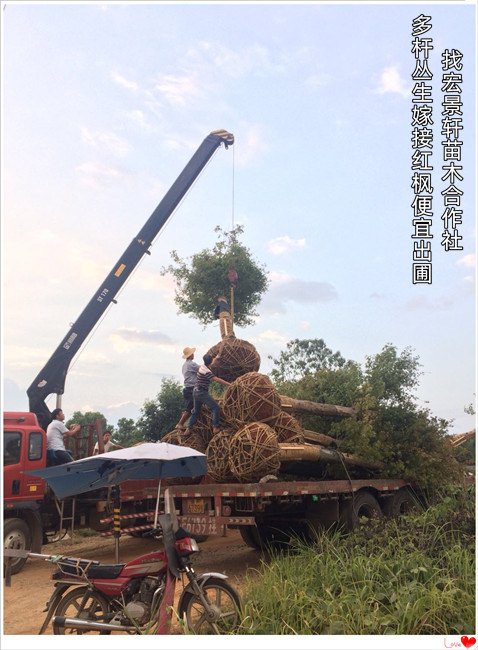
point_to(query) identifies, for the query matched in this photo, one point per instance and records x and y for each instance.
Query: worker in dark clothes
(223, 312)
(201, 394)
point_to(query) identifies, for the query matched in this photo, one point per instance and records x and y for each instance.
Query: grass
(413, 575)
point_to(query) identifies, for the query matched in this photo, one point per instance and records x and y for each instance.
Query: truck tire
(16, 534)
(250, 537)
(361, 505)
(399, 504)
(268, 536)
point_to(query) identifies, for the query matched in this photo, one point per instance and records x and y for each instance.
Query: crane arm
(52, 377)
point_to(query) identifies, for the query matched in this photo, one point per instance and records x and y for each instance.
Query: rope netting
(254, 452)
(288, 429)
(251, 398)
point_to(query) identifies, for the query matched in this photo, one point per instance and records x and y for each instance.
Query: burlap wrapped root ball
(251, 398)
(236, 358)
(288, 429)
(182, 439)
(218, 456)
(254, 452)
(203, 426)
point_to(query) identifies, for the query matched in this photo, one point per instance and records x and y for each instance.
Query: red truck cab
(24, 448)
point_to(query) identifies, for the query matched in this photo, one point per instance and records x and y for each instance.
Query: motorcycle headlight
(186, 546)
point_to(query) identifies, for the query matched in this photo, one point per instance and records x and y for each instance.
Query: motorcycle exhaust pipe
(61, 622)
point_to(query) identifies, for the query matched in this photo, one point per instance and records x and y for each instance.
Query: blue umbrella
(146, 461)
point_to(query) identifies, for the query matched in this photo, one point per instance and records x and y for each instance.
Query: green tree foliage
(201, 278)
(89, 417)
(392, 377)
(159, 415)
(304, 357)
(389, 426)
(127, 433)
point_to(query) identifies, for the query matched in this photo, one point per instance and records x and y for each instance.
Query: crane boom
(51, 379)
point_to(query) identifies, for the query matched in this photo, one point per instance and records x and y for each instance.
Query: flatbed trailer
(271, 512)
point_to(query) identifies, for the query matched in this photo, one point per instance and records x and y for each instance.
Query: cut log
(315, 408)
(319, 438)
(294, 453)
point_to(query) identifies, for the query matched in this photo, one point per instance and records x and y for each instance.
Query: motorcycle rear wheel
(95, 609)
(225, 601)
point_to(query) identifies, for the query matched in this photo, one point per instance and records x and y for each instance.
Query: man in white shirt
(107, 444)
(55, 444)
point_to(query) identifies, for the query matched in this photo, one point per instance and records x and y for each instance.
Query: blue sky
(103, 105)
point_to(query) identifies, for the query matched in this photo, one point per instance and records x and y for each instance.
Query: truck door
(22, 450)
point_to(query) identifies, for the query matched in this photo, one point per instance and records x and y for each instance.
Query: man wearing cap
(190, 369)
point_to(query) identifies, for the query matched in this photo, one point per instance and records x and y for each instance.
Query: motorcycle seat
(104, 571)
(86, 568)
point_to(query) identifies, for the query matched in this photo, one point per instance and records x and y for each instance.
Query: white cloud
(272, 336)
(391, 82)
(284, 244)
(249, 143)
(422, 303)
(318, 80)
(122, 81)
(97, 174)
(105, 140)
(178, 90)
(138, 117)
(469, 261)
(285, 288)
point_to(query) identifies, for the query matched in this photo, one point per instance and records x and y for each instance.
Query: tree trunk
(317, 453)
(315, 408)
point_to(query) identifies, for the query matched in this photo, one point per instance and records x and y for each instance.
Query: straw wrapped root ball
(236, 358)
(254, 452)
(218, 456)
(203, 426)
(251, 398)
(182, 439)
(288, 429)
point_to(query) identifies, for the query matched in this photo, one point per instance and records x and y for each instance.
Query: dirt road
(25, 600)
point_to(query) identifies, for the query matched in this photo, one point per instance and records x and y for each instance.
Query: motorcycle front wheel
(224, 609)
(74, 605)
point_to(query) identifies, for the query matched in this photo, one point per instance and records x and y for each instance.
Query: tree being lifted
(207, 275)
(323, 416)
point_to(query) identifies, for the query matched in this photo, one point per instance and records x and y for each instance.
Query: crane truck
(30, 510)
(267, 512)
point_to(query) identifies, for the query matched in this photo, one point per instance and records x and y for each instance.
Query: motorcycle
(138, 597)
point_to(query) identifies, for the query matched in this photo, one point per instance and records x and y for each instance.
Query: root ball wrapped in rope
(288, 429)
(254, 452)
(251, 398)
(237, 357)
(218, 456)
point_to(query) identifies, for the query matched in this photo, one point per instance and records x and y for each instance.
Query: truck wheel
(250, 537)
(400, 503)
(16, 534)
(360, 506)
(268, 536)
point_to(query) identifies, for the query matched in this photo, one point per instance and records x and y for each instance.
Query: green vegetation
(390, 426)
(412, 575)
(160, 415)
(205, 276)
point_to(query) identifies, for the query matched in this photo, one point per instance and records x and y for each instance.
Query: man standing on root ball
(201, 395)
(190, 369)
(223, 312)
